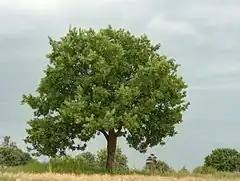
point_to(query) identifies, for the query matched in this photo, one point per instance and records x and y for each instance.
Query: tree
(223, 159)
(88, 158)
(151, 163)
(11, 155)
(163, 167)
(151, 160)
(183, 171)
(155, 165)
(120, 162)
(7, 142)
(108, 82)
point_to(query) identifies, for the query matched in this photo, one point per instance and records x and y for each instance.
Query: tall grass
(70, 165)
(62, 165)
(84, 177)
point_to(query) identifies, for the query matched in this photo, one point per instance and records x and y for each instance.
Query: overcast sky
(203, 36)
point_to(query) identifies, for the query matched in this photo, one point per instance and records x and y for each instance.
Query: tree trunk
(111, 149)
(50, 165)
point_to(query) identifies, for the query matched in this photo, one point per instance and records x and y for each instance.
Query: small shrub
(184, 171)
(204, 170)
(11, 155)
(158, 167)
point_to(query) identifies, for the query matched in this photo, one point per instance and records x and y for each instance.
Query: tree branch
(119, 131)
(104, 133)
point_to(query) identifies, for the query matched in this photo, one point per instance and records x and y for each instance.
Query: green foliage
(79, 164)
(68, 164)
(223, 159)
(11, 155)
(50, 137)
(156, 166)
(159, 167)
(163, 167)
(36, 167)
(120, 162)
(204, 170)
(33, 166)
(184, 171)
(108, 81)
(88, 162)
(87, 158)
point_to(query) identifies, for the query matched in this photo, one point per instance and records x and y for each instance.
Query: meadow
(106, 177)
(71, 172)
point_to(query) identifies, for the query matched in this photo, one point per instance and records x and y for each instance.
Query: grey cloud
(216, 28)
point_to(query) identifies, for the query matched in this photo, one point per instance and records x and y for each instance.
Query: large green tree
(223, 159)
(110, 82)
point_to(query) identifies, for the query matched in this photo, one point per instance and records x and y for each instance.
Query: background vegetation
(222, 162)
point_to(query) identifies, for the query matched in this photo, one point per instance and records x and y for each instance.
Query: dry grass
(68, 177)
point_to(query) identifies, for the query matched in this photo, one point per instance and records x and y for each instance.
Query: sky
(203, 36)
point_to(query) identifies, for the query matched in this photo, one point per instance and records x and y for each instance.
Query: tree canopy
(108, 81)
(11, 155)
(223, 159)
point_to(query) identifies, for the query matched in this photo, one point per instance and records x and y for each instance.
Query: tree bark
(111, 149)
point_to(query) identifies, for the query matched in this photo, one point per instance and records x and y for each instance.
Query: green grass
(71, 166)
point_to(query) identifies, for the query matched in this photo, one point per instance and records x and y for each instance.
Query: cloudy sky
(203, 36)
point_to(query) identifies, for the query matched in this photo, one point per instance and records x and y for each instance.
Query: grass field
(73, 171)
(71, 177)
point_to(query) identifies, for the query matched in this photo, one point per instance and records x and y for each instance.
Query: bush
(184, 171)
(79, 164)
(224, 160)
(162, 167)
(204, 170)
(83, 163)
(158, 167)
(11, 155)
(120, 162)
(88, 159)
